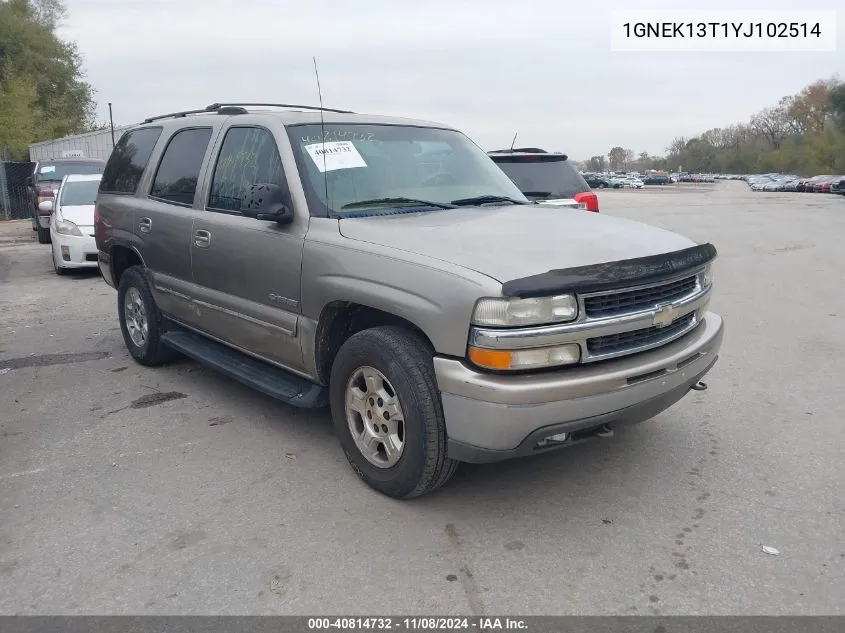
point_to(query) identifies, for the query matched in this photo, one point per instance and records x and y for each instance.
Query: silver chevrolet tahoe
(388, 268)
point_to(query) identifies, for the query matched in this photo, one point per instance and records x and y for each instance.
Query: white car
(72, 223)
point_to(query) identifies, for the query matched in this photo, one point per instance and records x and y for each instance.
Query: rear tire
(389, 370)
(43, 235)
(142, 325)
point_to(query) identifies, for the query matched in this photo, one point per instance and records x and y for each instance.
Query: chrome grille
(623, 301)
(635, 340)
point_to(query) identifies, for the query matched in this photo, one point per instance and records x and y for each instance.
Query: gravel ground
(173, 490)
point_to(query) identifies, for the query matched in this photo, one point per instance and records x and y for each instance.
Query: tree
(42, 86)
(809, 110)
(772, 124)
(836, 100)
(617, 156)
(597, 164)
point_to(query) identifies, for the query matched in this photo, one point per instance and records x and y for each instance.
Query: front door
(247, 271)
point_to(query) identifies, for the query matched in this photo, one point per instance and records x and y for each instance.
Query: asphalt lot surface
(173, 490)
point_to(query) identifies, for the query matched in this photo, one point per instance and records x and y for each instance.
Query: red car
(808, 184)
(825, 185)
(815, 183)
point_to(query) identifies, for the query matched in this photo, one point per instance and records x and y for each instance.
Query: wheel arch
(122, 257)
(339, 320)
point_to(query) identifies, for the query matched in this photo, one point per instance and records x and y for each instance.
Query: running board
(273, 381)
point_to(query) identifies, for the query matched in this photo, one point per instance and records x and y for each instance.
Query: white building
(91, 145)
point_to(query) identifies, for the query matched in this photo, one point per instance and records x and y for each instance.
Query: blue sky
(489, 67)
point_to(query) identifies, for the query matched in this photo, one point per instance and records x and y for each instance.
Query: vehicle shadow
(591, 476)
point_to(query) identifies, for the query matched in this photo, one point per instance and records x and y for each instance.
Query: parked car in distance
(44, 184)
(72, 223)
(809, 184)
(656, 180)
(600, 181)
(838, 187)
(824, 186)
(547, 178)
(389, 268)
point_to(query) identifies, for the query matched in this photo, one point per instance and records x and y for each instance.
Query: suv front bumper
(494, 417)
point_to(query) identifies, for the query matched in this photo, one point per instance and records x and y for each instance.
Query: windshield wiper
(485, 199)
(374, 201)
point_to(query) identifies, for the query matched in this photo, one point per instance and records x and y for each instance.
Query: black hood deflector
(611, 275)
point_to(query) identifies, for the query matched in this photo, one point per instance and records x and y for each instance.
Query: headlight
(504, 312)
(66, 227)
(537, 358)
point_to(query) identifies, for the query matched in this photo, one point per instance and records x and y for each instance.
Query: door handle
(202, 238)
(145, 225)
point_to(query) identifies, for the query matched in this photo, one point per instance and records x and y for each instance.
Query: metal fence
(15, 203)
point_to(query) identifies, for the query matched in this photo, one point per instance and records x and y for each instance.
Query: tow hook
(604, 431)
(699, 386)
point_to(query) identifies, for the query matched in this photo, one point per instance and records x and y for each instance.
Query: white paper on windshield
(48, 169)
(335, 155)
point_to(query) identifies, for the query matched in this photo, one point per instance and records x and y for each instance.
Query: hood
(82, 215)
(514, 241)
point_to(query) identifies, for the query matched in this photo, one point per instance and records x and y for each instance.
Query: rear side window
(179, 168)
(249, 156)
(543, 176)
(128, 160)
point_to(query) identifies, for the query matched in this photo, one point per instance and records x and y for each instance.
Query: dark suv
(548, 178)
(45, 181)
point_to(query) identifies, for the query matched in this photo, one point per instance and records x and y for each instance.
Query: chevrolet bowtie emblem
(666, 315)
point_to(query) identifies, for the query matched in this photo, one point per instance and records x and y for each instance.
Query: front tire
(140, 321)
(59, 270)
(387, 412)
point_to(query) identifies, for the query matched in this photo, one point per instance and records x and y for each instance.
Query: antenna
(322, 133)
(513, 142)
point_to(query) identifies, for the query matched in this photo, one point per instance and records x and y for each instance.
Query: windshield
(361, 163)
(79, 192)
(57, 171)
(543, 176)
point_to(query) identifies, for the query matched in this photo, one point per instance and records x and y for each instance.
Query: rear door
(165, 216)
(247, 271)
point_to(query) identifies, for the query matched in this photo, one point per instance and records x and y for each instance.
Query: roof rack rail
(237, 108)
(174, 115)
(216, 106)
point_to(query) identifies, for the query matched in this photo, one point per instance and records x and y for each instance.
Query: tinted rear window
(128, 160)
(79, 192)
(543, 176)
(57, 171)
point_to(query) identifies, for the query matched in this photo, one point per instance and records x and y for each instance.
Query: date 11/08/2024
(418, 623)
(722, 29)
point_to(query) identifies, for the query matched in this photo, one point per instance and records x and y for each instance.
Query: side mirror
(45, 206)
(30, 181)
(267, 202)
